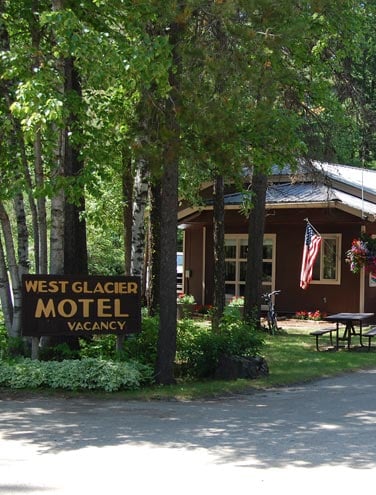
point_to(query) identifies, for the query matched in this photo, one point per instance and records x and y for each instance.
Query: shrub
(85, 374)
(3, 339)
(200, 349)
(100, 346)
(58, 352)
(142, 347)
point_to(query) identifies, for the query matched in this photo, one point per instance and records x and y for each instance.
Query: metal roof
(309, 193)
(315, 184)
(354, 176)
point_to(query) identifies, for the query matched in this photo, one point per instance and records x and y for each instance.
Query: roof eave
(188, 212)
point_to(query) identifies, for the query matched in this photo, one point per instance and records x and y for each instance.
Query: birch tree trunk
(22, 235)
(40, 229)
(57, 214)
(5, 291)
(58, 199)
(15, 329)
(140, 199)
(127, 186)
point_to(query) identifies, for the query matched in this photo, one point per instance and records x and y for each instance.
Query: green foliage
(17, 346)
(199, 349)
(3, 338)
(100, 346)
(11, 346)
(58, 352)
(85, 374)
(143, 346)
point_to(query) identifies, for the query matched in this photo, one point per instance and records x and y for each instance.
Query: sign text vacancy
(80, 305)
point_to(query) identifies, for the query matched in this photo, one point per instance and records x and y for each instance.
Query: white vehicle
(179, 271)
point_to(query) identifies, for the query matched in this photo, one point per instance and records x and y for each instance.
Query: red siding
(289, 227)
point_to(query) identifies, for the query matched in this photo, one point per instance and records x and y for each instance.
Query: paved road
(304, 439)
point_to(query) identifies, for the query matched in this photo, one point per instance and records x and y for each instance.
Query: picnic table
(349, 320)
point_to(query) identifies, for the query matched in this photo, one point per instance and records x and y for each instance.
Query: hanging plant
(362, 254)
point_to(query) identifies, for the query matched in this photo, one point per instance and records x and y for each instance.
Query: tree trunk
(219, 251)
(58, 199)
(5, 291)
(40, 226)
(22, 235)
(167, 326)
(15, 330)
(155, 248)
(75, 248)
(138, 227)
(127, 182)
(57, 223)
(256, 221)
(169, 209)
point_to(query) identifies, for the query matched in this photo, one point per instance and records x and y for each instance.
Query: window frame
(329, 281)
(237, 283)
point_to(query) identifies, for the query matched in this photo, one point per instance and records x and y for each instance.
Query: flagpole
(316, 231)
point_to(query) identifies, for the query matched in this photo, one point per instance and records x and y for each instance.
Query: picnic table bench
(348, 320)
(323, 331)
(370, 333)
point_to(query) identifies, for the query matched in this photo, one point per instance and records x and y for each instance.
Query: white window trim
(269, 285)
(337, 280)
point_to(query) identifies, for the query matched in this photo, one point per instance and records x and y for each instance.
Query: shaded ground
(290, 440)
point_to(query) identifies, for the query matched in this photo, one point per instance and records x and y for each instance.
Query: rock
(233, 367)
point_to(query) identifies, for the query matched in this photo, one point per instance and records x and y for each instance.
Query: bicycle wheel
(272, 323)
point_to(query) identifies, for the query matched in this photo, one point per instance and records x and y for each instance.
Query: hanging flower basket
(362, 254)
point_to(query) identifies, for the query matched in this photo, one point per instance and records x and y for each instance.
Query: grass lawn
(292, 359)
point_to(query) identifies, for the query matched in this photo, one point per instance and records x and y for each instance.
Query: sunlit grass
(292, 359)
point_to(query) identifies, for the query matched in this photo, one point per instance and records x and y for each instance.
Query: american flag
(312, 243)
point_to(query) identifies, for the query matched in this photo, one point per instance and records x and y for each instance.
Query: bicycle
(271, 314)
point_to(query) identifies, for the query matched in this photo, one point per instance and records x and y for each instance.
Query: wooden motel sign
(80, 305)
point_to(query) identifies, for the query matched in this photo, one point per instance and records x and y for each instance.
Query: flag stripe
(312, 243)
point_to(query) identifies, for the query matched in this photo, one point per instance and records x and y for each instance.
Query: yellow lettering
(47, 310)
(89, 326)
(117, 309)
(53, 286)
(77, 287)
(98, 288)
(86, 303)
(31, 285)
(103, 305)
(72, 308)
(132, 288)
(109, 288)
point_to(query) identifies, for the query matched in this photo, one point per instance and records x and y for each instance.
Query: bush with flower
(185, 299)
(362, 254)
(310, 315)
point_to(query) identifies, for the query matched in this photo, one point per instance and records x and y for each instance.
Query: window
(236, 247)
(326, 269)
